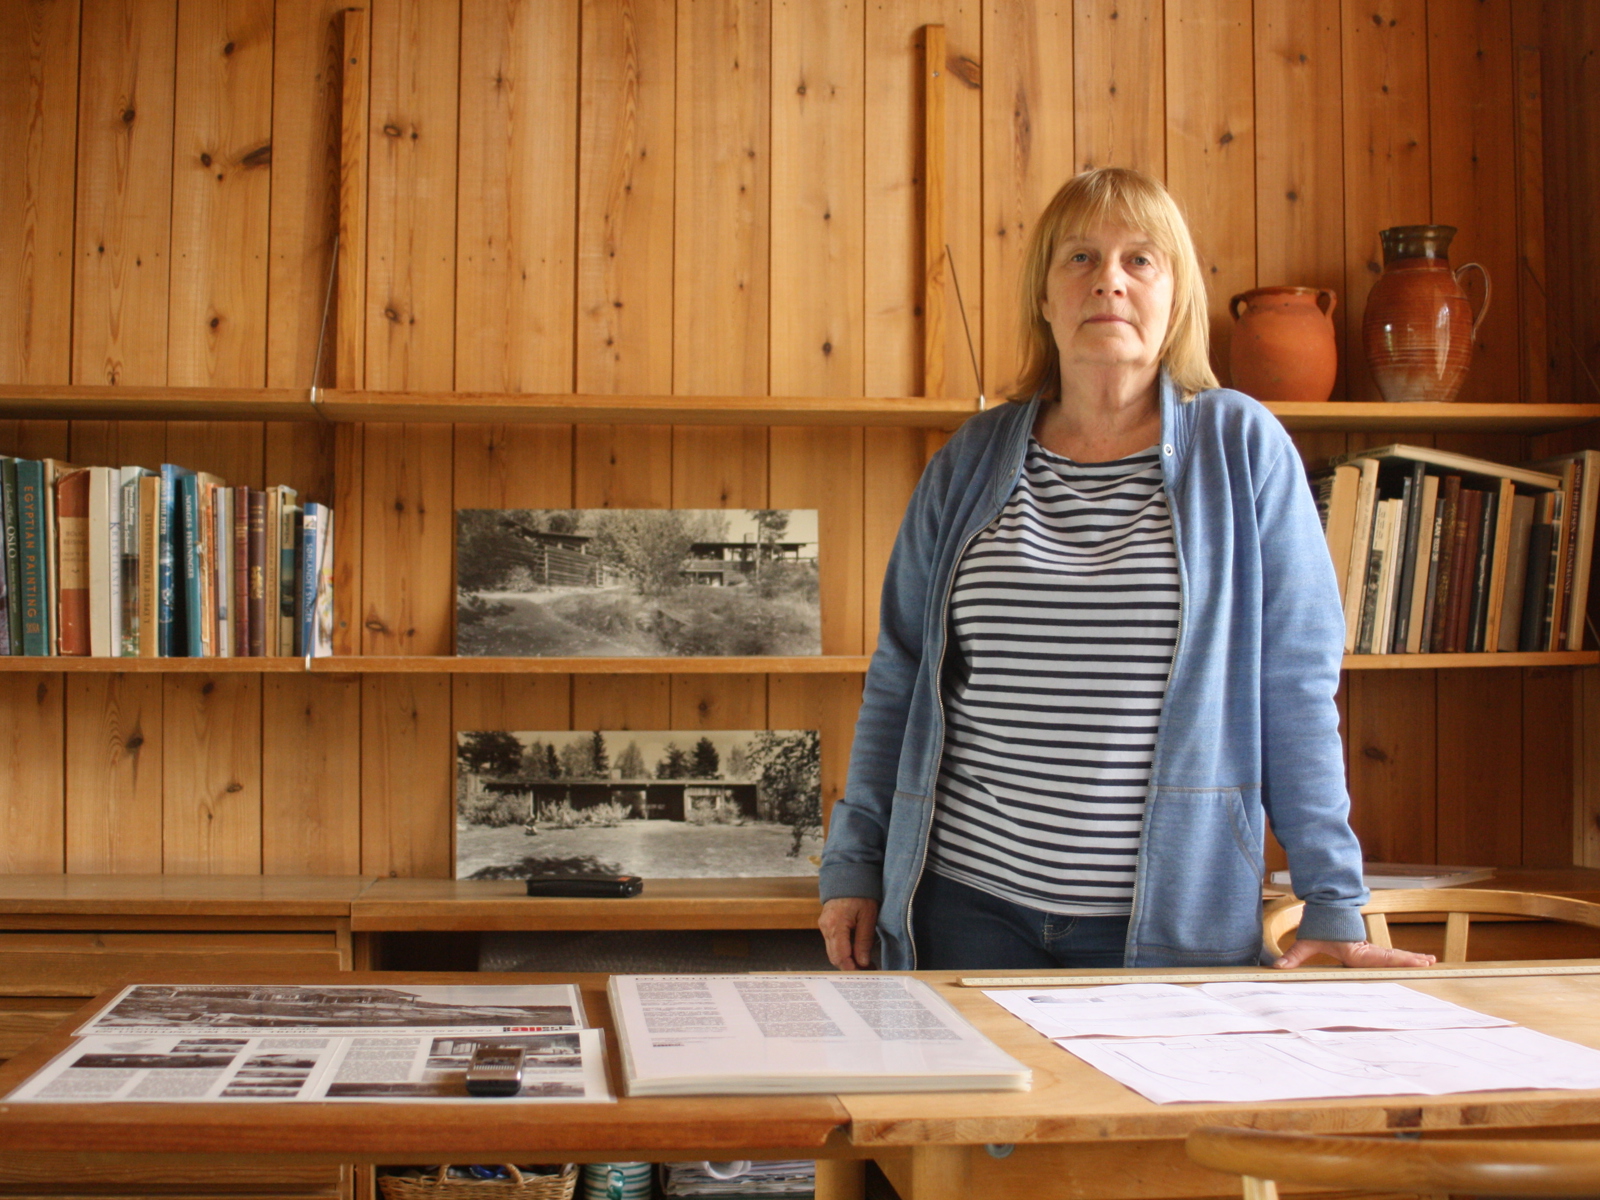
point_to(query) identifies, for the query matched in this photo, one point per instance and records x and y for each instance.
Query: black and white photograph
(686, 804)
(637, 582)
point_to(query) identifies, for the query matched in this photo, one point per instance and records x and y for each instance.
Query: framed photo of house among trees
(637, 581)
(661, 804)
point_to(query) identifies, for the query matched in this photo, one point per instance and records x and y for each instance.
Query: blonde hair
(1140, 202)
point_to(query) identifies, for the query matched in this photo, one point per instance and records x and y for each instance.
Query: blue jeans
(959, 928)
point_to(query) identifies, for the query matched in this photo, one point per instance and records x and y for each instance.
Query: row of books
(1443, 553)
(124, 562)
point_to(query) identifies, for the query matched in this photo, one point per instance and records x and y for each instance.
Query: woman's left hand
(1353, 954)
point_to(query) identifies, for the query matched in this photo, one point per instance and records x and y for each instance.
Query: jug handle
(1233, 305)
(1333, 300)
(1487, 291)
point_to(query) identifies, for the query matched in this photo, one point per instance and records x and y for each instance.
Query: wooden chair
(1458, 905)
(1377, 1164)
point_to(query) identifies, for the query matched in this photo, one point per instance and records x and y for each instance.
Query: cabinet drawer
(25, 1175)
(83, 963)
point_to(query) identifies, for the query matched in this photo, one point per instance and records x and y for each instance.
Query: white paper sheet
(1441, 1061)
(687, 1034)
(1356, 1005)
(565, 1066)
(346, 1009)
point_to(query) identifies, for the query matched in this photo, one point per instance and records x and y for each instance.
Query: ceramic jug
(1283, 343)
(1418, 328)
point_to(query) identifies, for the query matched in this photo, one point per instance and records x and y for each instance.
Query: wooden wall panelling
(119, 443)
(625, 197)
(722, 175)
(407, 768)
(1480, 767)
(893, 460)
(1547, 767)
(1119, 73)
(1391, 739)
(351, 313)
(1527, 71)
(122, 234)
(407, 539)
(310, 774)
(621, 702)
(828, 704)
(1472, 91)
(38, 125)
(1299, 209)
(718, 702)
(115, 745)
(349, 491)
(221, 189)
(516, 190)
(304, 208)
(818, 126)
(526, 702)
(211, 767)
(1586, 768)
(1386, 151)
(1029, 130)
(822, 467)
(411, 240)
(32, 768)
(1211, 148)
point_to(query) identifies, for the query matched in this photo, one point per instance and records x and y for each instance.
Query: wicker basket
(518, 1187)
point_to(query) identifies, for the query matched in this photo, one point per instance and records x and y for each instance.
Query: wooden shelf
(60, 401)
(812, 664)
(294, 404)
(1428, 662)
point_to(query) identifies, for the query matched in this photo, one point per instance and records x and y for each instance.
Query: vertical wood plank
(513, 466)
(828, 704)
(718, 702)
(1480, 768)
(1586, 766)
(621, 702)
(1211, 146)
(1473, 113)
(625, 201)
(935, 270)
(514, 702)
(32, 766)
(221, 191)
(301, 454)
(35, 439)
(622, 466)
(349, 492)
(818, 124)
(119, 443)
(351, 314)
(38, 124)
(412, 196)
(310, 774)
(518, 165)
(1527, 68)
(1392, 768)
(407, 540)
(1547, 767)
(1029, 118)
(1299, 225)
(235, 450)
(893, 461)
(722, 176)
(211, 775)
(1386, 151)
(407, 772)
(123, 211)
(1119, 73)
(822, 467)
(114, 743)
(304, 208)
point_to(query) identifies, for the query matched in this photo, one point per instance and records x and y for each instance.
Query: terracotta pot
(1418, 329)
(1283, 344)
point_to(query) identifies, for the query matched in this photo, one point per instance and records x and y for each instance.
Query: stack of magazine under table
(1442, 553)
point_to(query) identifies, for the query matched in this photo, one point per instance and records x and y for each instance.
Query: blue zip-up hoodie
(1249, 728)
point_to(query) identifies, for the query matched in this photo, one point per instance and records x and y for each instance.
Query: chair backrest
(1458, 905)
(1506, 1167)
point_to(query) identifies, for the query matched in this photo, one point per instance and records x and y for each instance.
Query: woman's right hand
(849, 927)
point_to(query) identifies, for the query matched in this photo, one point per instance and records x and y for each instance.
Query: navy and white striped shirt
(1064, 615)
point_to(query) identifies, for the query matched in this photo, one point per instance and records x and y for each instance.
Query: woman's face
(1108, 298)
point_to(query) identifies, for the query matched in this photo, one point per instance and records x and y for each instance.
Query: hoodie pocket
(1201, 895)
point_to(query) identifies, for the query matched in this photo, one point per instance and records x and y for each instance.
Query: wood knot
(205, 160)
(391, 130)
(261, 156)
(134, 742)
(215, 321)
(235, 786)
(966, 70)
(208, 687)
(228, 49)
(127, 116)
(1375, 753)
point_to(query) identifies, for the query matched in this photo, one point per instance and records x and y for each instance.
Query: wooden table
(1077, 1134)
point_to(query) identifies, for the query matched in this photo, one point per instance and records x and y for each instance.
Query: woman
(1109, 647)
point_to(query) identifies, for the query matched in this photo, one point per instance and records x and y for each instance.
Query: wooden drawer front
(81, 964)
(23, 1175)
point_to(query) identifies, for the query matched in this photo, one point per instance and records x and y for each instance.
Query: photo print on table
(660, 804)
(644, 582)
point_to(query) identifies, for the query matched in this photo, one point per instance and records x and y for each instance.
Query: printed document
(398, 1066)
(688, 1034)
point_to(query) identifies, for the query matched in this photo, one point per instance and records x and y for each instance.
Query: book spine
(1373, 579)
(149, 567)
(13, 548)
(1569, 559)
(1408, 568)
(254, 607)
(1552, 591)
(289, 581)
(193, 606)
(324, 613)
(1482, 557)
(1516, 573)
(72, 563)
(128, 568)
(109, 643)
(1540, 541)
(1439, 605)
(270, 572)
(1461, 563)
(214, 539)
(241, 572)
(8, 590)
(36, 623)
(1360, 552)
(307, 611)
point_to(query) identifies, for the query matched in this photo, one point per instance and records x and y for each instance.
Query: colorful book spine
(324, 599)
(37, 626)
(128, 560)
(171, 620)
(6, 590)
(289, 578)
(149, 567)
(12, 548)
(255, 572)
(306, 613)
(193, 582)
(72, 562)
(242, 625)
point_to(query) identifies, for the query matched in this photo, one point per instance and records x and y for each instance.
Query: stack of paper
(789, 1177)
(1296, 1041)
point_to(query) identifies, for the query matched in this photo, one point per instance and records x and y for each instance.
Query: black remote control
(585, 885)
